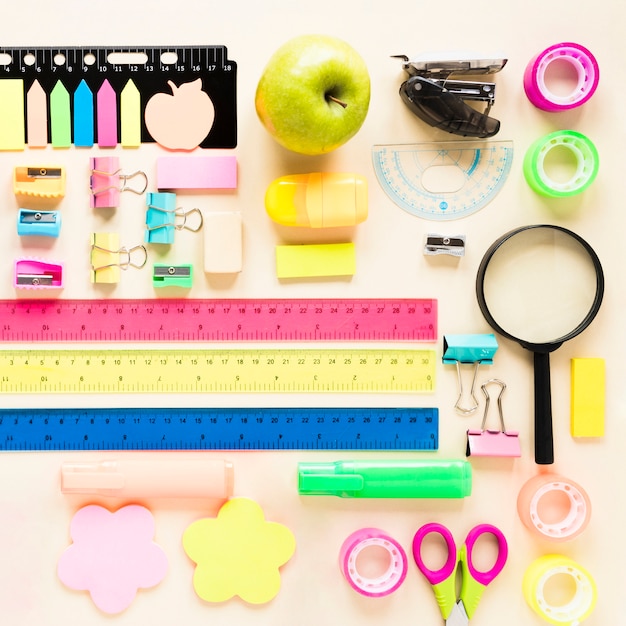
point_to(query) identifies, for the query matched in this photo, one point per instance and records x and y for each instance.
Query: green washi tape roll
(586, 164)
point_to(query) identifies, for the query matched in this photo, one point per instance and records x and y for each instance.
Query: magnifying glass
(540, 285)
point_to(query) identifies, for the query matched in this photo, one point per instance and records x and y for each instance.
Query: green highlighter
(386, 479)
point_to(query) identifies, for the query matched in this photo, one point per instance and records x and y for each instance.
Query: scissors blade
(458, 616)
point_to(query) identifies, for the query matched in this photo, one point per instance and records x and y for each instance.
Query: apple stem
(340, 102)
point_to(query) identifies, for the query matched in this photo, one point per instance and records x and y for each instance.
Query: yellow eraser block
(587, 401)
(308, 260)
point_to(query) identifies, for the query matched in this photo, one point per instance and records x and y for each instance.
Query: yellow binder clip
(108, 258)
(41, 181)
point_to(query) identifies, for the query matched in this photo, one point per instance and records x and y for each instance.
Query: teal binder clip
(473, 349)
(38, 223)
(172, 276)
(164, 218)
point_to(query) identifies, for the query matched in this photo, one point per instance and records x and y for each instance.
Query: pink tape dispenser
(495, 443)
(107, 182)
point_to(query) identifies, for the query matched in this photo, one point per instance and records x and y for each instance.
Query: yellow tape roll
(577, 608)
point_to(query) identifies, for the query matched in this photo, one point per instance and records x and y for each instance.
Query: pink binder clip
(484, 442)
(107, 182)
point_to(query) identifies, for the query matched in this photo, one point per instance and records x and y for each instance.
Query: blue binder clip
(38, 223)
(164, 218)
(474, 349)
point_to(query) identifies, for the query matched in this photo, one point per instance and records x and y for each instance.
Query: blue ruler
(220, 429)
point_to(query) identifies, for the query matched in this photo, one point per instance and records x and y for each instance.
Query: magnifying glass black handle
(544, 446)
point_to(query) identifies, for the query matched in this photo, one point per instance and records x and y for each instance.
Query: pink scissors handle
(484, 578)
(434, 577)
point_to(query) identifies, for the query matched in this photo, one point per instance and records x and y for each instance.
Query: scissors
(458, 610)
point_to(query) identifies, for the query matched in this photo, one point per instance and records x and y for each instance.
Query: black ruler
(149, 68)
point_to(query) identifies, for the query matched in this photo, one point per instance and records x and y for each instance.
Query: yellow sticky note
(587, 397)
(308, 260)
(238, 553)
(12, 124)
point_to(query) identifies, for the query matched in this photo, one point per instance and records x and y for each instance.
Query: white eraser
(223, 242)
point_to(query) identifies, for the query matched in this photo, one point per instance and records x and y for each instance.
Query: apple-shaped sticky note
(314, 94)
(182, 120)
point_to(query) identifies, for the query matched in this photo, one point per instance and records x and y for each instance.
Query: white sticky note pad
(223, 242)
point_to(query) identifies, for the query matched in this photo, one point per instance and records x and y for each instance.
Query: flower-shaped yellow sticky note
(238, 553)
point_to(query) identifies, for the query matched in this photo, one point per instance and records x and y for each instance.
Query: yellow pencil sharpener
(318, 200)
(41, 181)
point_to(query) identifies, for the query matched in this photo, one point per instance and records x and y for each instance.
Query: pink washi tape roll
(357, 545)
(554, 507)
(544, 67)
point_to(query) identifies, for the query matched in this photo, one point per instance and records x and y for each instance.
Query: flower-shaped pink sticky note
(112, 555)
(238, 553)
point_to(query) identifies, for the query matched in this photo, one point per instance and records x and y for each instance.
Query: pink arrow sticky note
(106, 112)
(37, 116)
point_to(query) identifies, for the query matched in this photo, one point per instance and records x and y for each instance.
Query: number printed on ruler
(221, 371)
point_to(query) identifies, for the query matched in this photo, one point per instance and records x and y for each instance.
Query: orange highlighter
(150, 476)
(318, 200)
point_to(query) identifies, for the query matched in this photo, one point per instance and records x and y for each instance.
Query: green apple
(314, 94)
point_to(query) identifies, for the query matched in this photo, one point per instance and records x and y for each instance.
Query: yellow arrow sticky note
(130, 116)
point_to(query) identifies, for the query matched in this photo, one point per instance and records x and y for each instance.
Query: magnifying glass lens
(540, 285)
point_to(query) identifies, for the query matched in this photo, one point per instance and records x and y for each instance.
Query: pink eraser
(203, 172)
(112, 555)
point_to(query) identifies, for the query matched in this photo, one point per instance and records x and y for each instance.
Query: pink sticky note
(106, 116)
(37, 116)
(112, 555)
(202, 172)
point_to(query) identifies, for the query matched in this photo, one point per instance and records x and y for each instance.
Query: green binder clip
(473, 349)
(172, 276)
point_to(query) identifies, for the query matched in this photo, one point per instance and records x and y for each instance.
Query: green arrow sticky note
(60, 117)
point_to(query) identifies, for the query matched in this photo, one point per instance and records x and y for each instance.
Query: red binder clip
(485, 442)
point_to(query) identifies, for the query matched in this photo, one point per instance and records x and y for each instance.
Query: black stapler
(441, 101)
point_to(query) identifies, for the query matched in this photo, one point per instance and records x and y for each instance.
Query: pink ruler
(366, 319)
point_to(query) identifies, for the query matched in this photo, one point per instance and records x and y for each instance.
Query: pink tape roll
(387, 582)
(583, 63)
(542, 504)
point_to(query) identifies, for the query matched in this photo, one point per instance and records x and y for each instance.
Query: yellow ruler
(221, 370)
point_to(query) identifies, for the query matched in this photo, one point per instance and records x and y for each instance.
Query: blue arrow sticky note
(83, 116)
